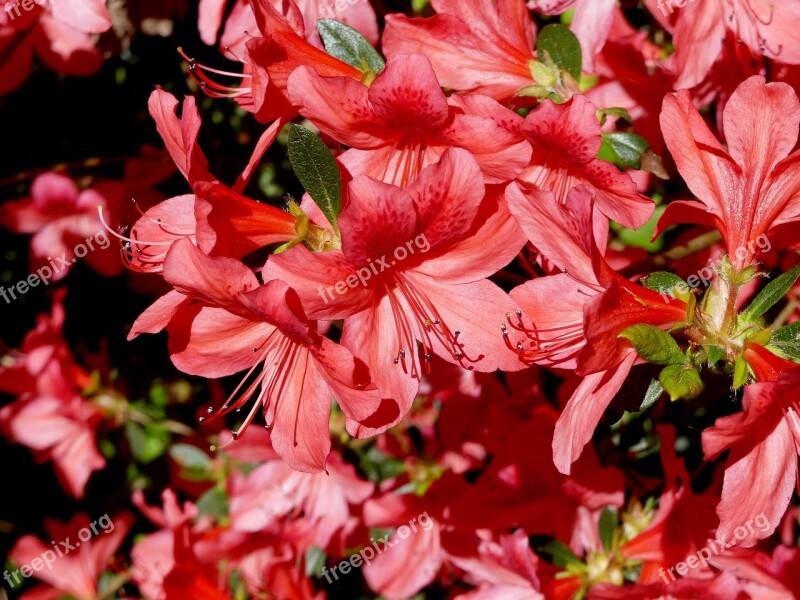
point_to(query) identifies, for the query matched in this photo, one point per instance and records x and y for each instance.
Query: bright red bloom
(358, 15)
(78, 571)
(764, 440)
(475, 46)
(750, 190)
(281, 50)
(61, 218)
(596, 304)
(421, 296)
(402, 123)
(566, 139)
(61, 36)
(218, 219)
(221, 322)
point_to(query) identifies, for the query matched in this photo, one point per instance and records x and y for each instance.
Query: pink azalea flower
(77, 571)
(402, 123)
(761, 27)
(444, 216)
(221, 322)
(750, 189)
(61, 218)
(320, 504)
(566, 139)
(50, 417)
(60, 35)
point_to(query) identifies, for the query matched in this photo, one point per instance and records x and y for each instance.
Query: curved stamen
(213, 88)
(417, 319)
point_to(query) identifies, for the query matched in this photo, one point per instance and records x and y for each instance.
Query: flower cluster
(565, 326)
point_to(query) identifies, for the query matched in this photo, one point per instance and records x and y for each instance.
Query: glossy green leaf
(316, 169)
(622, 148)
(348, 45)
(562, 47)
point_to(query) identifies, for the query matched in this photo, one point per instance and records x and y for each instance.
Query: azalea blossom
(419, 299)
(266, 333)
(403, 122)
(750, 189)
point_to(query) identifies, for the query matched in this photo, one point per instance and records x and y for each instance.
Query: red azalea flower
(751, 191)
(77, 571)
(218, 219)
(62, 218)
(764, 440)
(566, 139)
(437, 295)
(358, 15)
(221, 322)
(402, 123)
(597, 304)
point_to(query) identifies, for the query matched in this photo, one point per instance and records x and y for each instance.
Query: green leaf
(653, 393)
(786, 340)
(563, 48)
(770, 295)
(681, 382)
(654, 345)
(615, 111)
(740, 373)
(195, 464)
(560, 555)
(213, 503)
(147, 442)
(666, 283)
(316, 169)
(315, 561)
(378, 466)
(714, 354)
(348, 45)
(622, 148)
(641, 238)
(607, 527)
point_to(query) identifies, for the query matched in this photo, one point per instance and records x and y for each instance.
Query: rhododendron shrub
(484, 299)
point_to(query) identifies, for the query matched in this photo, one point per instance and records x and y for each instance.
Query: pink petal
(584, 410)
